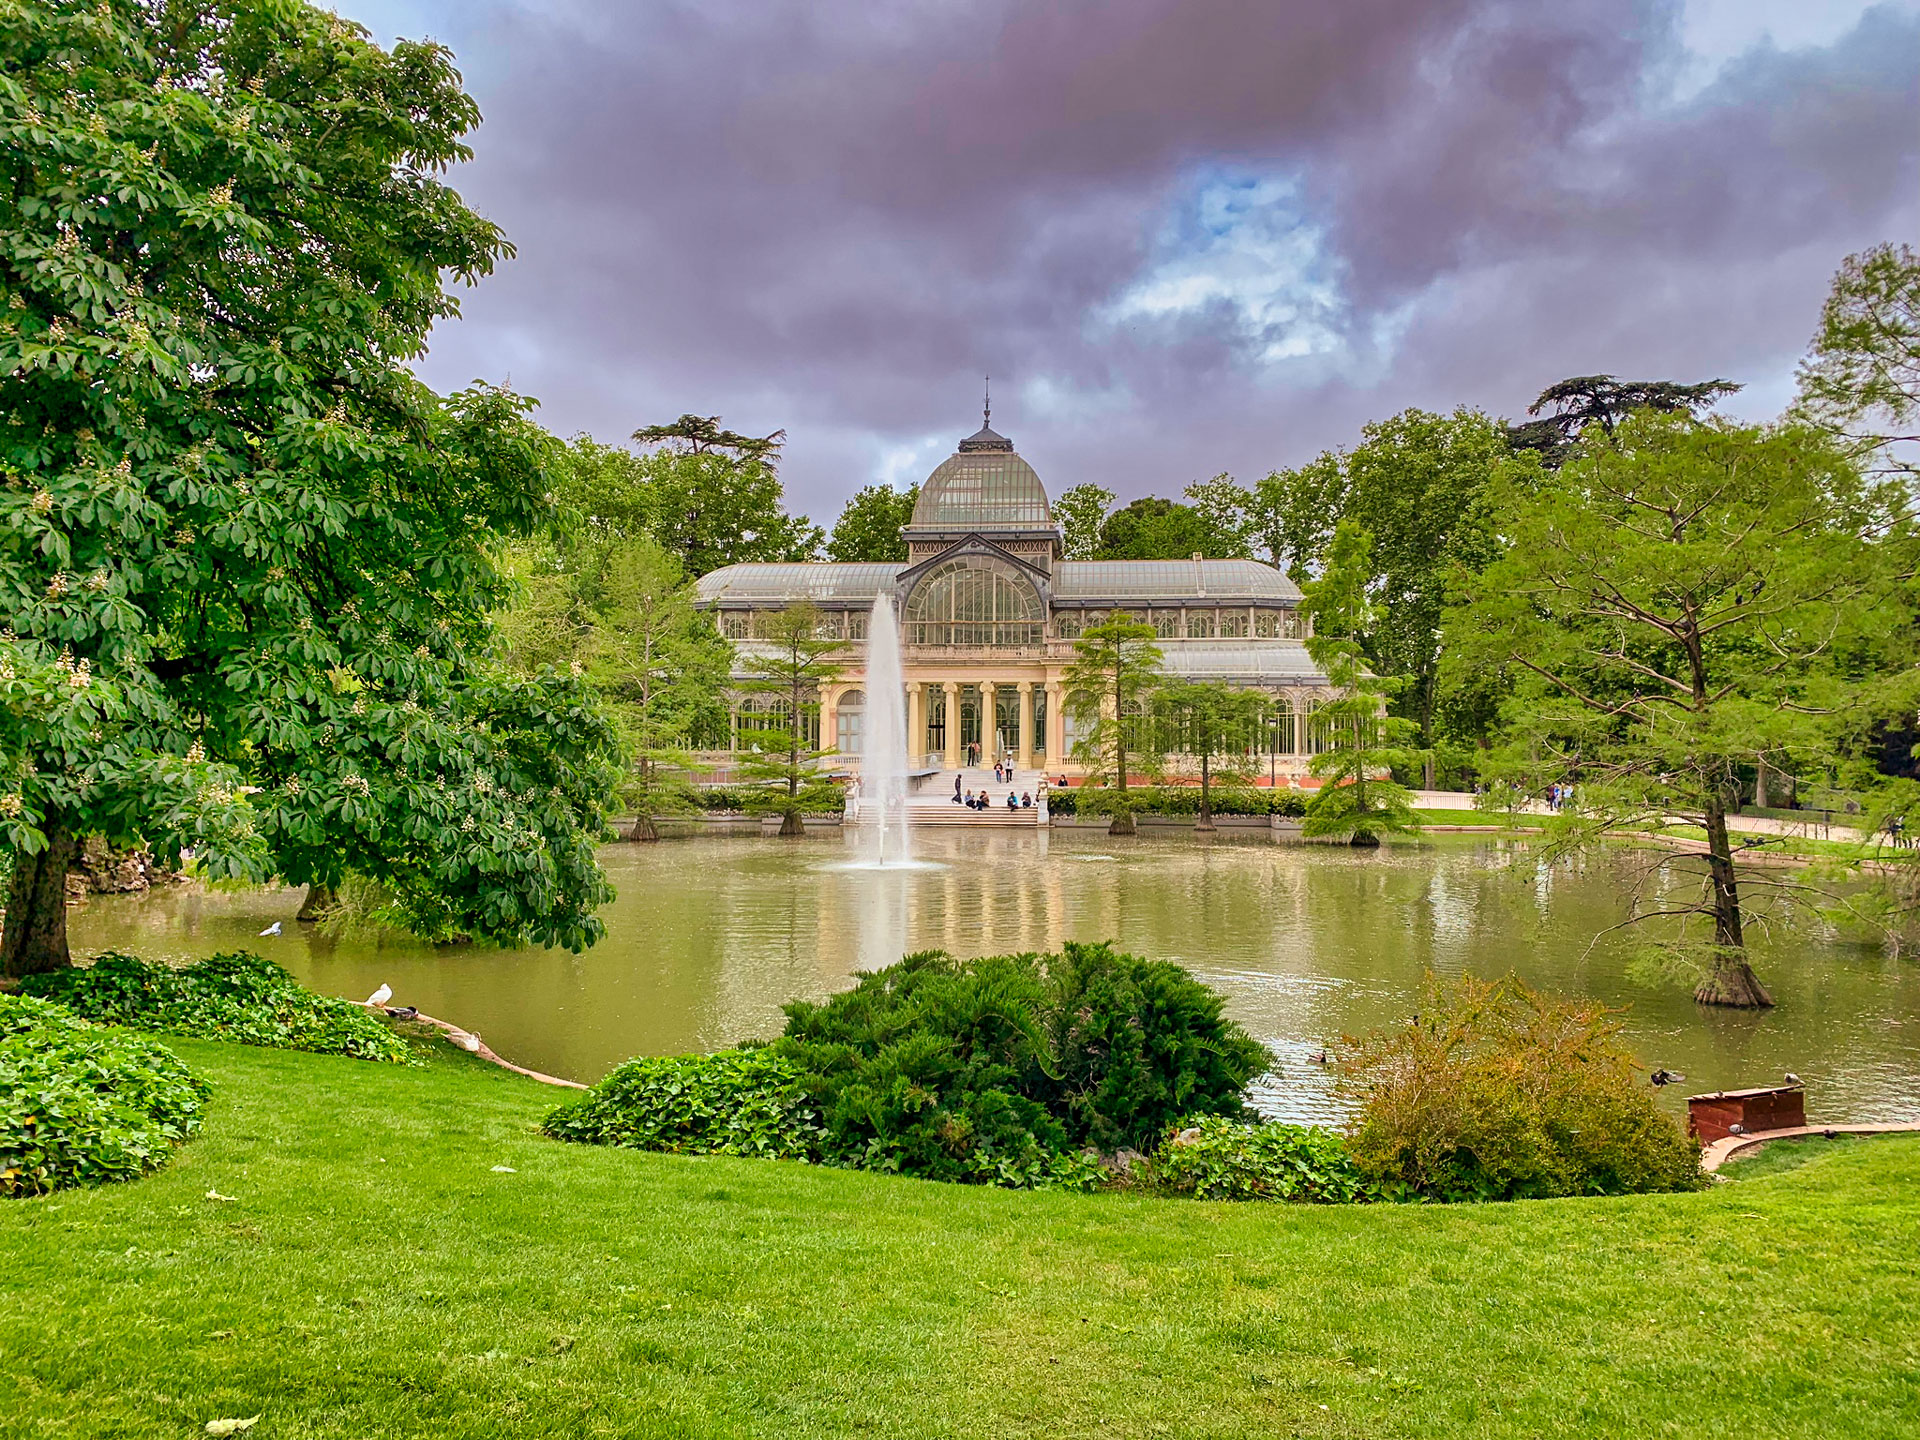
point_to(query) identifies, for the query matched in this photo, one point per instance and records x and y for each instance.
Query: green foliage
(870, 526)
(791, 663)
(708, 496)
(1115, 665)
(1152, 528)
(1222, 1159)
(1602, 401)
(1860, 381)
(1080, 512)
(1495, 1092)
(1358, 739)
(85, 1106)
(1687, 600)
(236, 996)
(998, 1071)
(1417, 484)
(1217, 727)
(246, 557)
(1177, 800)
(979, 1070)
(733, 1102)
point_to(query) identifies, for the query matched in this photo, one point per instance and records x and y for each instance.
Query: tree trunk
(1731, 981)
(643, 828)
(1122, 823)
(1364, 840)
(34, 940)
(320, 899)
(792, 824)
(1204, 824)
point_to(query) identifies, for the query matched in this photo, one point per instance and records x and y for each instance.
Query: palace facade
(989, 610)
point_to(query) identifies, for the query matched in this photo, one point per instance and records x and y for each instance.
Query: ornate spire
(986, 439)
(986, 410)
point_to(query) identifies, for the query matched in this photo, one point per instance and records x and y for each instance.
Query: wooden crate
(1716, 1116)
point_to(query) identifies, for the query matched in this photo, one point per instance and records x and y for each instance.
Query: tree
(1359, 739)
(870, 526)
(1115, 665)
(246, 558)
(1415, 485)
(714, 498)
(1226, 509)
(702, 435)
(1860, 381)
(1688, 598)
(1211, 723)
(660, 666)
(1152, 528)
(1604, 401)
(790, 662)
(1081, 512)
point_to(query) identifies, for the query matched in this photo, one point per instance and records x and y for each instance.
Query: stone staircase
(932, 803)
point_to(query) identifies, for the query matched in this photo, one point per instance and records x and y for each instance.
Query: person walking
(956, 789)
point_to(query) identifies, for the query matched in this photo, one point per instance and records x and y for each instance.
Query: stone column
(1026, 725)
(989, 725)
(951, 689)
(1056, 725)
(916, 726)
(829, 716)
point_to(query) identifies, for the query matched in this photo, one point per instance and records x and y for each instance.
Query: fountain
(885, 761)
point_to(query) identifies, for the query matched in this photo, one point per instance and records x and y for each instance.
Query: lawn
(375, 1275)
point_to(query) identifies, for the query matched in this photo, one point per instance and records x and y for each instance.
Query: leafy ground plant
(733, 1102)
(80, 1105)
(1221, 1159)
(237, 996)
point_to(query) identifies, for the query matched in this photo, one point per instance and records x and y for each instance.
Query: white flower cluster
(57, 586)
(355, 785)
(42, 502)
(196, 754)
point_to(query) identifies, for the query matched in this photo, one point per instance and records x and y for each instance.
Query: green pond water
(710, 935)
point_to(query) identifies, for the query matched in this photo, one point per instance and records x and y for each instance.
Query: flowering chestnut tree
(246, 558)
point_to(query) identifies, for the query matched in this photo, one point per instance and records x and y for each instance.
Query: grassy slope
(374, 1277)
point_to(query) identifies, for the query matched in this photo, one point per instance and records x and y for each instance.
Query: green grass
(1475, 817)
(374, 1276)
(1779, 1156)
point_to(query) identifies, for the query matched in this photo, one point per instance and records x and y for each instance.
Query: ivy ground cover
(404, 1254)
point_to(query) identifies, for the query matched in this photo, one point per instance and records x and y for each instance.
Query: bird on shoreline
(380, 996)
(1793, 1079)
(273, 929)
(1666, 1077)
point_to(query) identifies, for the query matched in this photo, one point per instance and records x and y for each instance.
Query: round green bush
(733, 1102)
(81, 1105)
(238, 996)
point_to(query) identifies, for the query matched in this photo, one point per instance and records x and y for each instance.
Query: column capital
(1025, 687)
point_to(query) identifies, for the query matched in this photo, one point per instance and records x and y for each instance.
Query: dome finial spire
(986, 410)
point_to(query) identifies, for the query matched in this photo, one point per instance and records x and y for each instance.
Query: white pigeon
(273, 929)
(381, 996)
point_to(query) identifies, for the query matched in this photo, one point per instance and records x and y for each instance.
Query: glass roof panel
(982, 490)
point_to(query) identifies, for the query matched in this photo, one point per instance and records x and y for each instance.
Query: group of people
(1002, 775)
(1559, 797)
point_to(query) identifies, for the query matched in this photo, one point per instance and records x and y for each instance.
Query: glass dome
(985, 486)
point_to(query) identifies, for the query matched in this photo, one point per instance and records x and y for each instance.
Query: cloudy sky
(1184, 236)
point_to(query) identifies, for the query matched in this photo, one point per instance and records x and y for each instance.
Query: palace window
(1166, 624)
(1067, 626)
(735, 624)
(1199, 624)
(974, 601)
(1233, 624)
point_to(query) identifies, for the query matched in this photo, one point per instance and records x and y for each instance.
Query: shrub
(237, 996)
(1178, 800)
(994, 1071)
(84, 1106)
(1494, 1092)
(734, 1102)
(1220, 1159)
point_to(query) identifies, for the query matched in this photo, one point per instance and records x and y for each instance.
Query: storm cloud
(1184, 236)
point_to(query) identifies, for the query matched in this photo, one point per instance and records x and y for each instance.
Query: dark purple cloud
(1184, 237)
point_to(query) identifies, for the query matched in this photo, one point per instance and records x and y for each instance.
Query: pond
(710, 935)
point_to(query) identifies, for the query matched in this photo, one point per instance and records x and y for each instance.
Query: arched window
(1281, 719)
(850, 722)
(974, 601)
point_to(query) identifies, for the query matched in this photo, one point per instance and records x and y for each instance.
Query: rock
(1189, 1136)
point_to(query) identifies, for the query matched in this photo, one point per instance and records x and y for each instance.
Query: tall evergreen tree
(791, 660)
(1688, 599)
(1211, 724)
(1601, 400)
(1115, 666)
(1860, 381)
